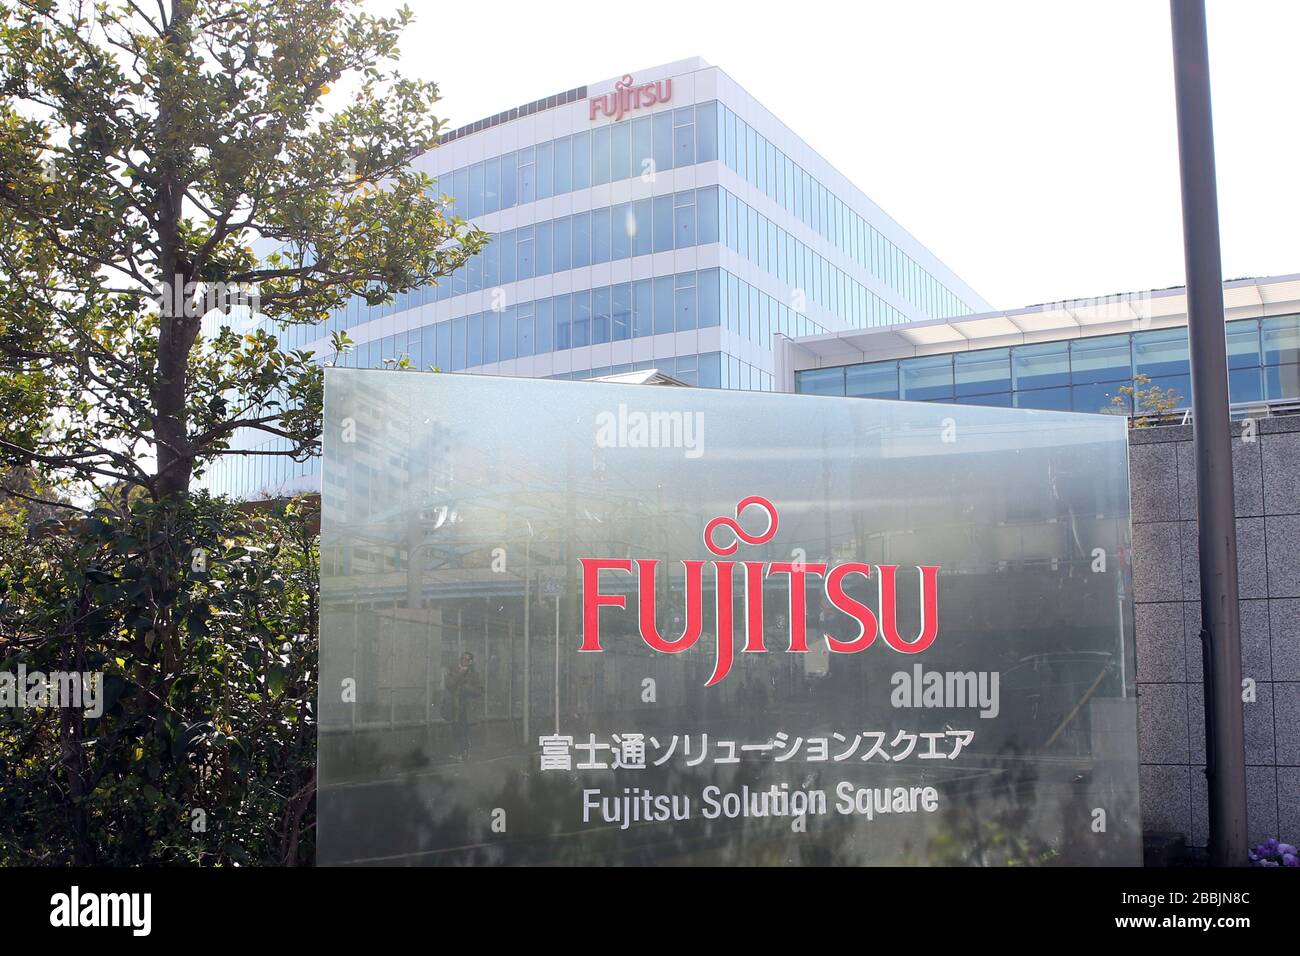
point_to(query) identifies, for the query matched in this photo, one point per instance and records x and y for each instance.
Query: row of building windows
(677, 221)
(625, 310)
(1082, 375)
(765, 167)
(706, 370)
(609, 153)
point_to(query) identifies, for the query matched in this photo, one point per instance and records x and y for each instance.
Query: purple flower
(1290, 859)
(1286, 848)
(1268, 863)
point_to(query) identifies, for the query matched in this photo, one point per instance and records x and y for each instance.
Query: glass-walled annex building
(657, 220)
(1082, 356)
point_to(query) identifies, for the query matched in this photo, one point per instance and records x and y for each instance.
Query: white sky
(1030, 145)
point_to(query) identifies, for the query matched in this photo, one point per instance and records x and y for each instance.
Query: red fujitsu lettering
(722, 589)
(798, 572)
(929, 574)
(854, 608)
(754, 600)
(593, 600)
(694, 606)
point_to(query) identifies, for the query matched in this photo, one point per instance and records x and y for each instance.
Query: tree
(143, 155)
(1151, 404)
(164, 177)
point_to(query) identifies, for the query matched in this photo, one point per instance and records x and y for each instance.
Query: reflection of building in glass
(1068, 356)
(684, 235)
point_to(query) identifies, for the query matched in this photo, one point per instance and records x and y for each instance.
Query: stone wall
(1171, 723)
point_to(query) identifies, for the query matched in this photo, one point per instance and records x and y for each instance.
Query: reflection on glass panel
(600, 235)
(872, 380)
(642, 307)
(1040, 366)
(600, 315)
(581, 319)
(1101, 359)
(1046, 399)
(821, 381)
(621, 312)
(491, 336)
(1282, 381)
(977, 373)
(581, 160)
(684, 136)
(994, 400)
(600, 150)
(1243, 344)
(1100, 397)
(1174, 390)
(1160, 352)
(1281, 336)
(706, 131)
(563, 166)
(506, 338)
(623, 224)
(663, 223)
(543, 324)
(620, 152)
(663, 297)
(685, 301)
(663, 140)
(642, 150)
(1245, 385)
(928, 377)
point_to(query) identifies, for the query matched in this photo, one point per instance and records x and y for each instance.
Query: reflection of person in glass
(463, 689)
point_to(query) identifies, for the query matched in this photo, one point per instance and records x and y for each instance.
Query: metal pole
(1225, 751)
(528, 659)
(557, 664)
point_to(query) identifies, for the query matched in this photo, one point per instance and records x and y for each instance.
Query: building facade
(659, 220)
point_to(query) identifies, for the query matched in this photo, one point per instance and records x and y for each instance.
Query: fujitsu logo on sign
(869, 626)
(627, 97)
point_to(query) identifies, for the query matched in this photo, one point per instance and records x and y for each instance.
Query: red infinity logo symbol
(741, 535)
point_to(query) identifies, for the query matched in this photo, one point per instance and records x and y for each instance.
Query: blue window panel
(871, 380)
(581, 239)
(1281, 340)
(524, 329)
(709, 312)
(1243, 344)
(729, 142)
(760, 180)
(544, 326)
(492, 185)
(1281, 382)
(457, 283)
(1040, 366)
(734, 375)
(733, 303)
(542, 247)
(491, 264)
(600, 149)
(1245, 385)
(684, 136)
(459, 189)
(581, 160)
(642, 307)
(751, 155)
(474, 342)
(706, 205)
(443, 356)
(817, 381)
(663, 141)
(581, 318)
(1161, 352)
(600, 235)
(663, 223)
(926, 379)
(506, 335)
(458, 330)
(510, 176)
(475, 204)
(663, 304)
(706, 131)
(998, 400)
(685, 302)
(600, 315)
(508, 252)
(730, 222)
(710, 370)
(1047, 399)
(684, 215)
(491, 336)
(620, 319)
(1099, 397)
(623, 225)
(642, 231)
(428, 347)
(524, 252)
(563, 165)
(545, 173)
(620, 152)
(642, 147)
(1179, 385)
(1102, 359)
(563, 251)
(563, 306)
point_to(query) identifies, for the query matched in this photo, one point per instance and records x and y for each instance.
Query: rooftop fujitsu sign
(756, 572)
(628, 96)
